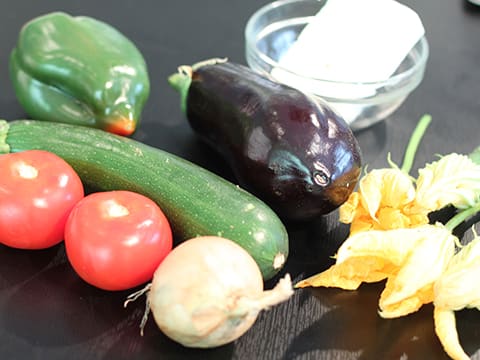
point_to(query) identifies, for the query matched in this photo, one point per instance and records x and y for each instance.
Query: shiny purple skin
(295, 154)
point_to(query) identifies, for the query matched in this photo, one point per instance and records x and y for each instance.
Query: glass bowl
(275, 27)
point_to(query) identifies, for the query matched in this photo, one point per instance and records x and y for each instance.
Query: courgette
(196, 201)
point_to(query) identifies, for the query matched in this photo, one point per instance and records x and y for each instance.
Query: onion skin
(208, 292)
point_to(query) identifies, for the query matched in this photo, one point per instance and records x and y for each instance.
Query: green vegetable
(196, 201)
(475, 155)
(81, 71)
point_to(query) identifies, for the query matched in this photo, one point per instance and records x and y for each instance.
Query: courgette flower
(384, 201)
(452, 180)
(390, 199)
(391, 239)
(457, 288)
(410, 259)
(412, 285)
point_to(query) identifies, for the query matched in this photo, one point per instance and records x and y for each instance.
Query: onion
(207, 292)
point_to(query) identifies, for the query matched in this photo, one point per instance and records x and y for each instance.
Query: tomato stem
(414, 142)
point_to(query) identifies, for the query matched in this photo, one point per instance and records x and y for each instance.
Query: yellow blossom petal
(394, 246)
(361, 224)
(406, 306)
(446, 330)
(388, 187)
(353, 213)
(412, 286)
(350, 274)
(459, 287)
(384, 201)
(454, 179)
(349, 209)
(418, 218)
(369, 256)
(393, 218)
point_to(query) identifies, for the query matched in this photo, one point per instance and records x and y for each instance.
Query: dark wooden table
(47, 312)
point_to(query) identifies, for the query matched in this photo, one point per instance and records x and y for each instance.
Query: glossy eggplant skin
(291, 151)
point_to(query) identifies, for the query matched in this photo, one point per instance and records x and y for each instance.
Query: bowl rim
(252, 48)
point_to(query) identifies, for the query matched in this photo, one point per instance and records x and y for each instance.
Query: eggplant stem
(212, 61)
(185, 70)
(181, 81)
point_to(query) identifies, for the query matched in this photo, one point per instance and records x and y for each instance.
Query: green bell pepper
(79, 70)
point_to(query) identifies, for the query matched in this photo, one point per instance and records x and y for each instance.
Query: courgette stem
(462, 216)
(414, 142)
(4, 147)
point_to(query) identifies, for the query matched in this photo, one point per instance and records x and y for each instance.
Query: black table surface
(47, 312)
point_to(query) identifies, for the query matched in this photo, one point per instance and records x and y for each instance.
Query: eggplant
(290, 150)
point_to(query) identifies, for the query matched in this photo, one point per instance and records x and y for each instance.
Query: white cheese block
(355, 41)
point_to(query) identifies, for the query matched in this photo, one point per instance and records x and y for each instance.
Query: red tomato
(115, 240)
(37, 191)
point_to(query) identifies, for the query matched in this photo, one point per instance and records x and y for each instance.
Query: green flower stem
(462, 216)
(414, 142)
